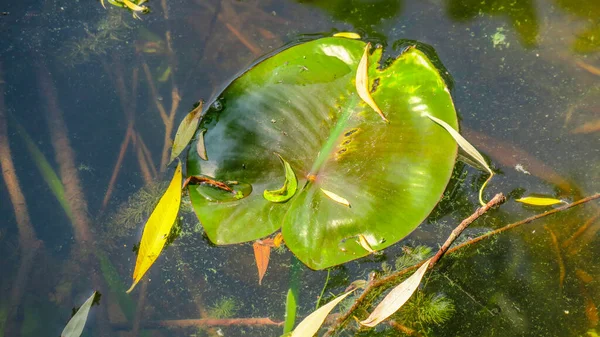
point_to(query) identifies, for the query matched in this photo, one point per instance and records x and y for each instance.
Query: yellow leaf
(539, 201)
(396, 298)
(312, 323)
(134, 7)
(158, 227)
(468, 148)
(362, 82)
(186, 131)
(336, 198)
(278, 240)
(348, 35)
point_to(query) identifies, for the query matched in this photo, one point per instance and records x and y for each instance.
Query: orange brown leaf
(262, 253)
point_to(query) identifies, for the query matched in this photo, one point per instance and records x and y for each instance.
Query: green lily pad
(302, 104)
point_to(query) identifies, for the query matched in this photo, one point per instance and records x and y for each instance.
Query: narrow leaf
(539, 201)
(362, 240)
(45, 169)
(468, 148)
(311, 324)
(158, 227)
(287, 191)
(348, 35)
(262, 253)
(336, 198)
(278, 240)
(396, 298)
(200, 149)
(186, 130)
(362, 82)
(133, 6)
(75, 326)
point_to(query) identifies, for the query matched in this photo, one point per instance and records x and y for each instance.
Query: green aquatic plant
(225, 307)
(109, 32)
(424, 310)
(139, 206)
(412, 256)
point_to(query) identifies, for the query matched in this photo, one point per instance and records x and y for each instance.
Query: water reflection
(526, 76)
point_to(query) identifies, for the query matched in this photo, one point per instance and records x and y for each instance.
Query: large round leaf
(302, 105)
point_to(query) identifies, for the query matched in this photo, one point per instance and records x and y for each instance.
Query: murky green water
(85, 82)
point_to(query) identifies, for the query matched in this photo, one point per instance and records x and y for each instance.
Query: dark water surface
(80, 79)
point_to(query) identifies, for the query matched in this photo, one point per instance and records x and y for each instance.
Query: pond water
(86, 90)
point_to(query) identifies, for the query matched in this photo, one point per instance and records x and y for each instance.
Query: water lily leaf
(362, 82)
(302, 104)
(396, 298)
(348, 35)
(287, 191)
(158, 227)
(75, 326)
(186, 130)
(539, 201)
(469, 149)
(312, 323)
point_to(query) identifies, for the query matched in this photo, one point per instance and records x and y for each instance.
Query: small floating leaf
(158, 227)
(262, 253)
(396, 298)
(362, 82)
(539, 201)
(362, 240)
(278, 240)
(468, 148)
(75, 326)
(134, 7)
(336, 198)
(287, 191)
(348, 35)
(312, 323)
(165, 75)
(186, 131)
(200, 149)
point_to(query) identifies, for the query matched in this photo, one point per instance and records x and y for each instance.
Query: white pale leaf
(186, 131)
(468, 148)
(396, 298)
(312, 323)
(75, 326)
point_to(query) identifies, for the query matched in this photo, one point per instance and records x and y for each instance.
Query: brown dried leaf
(262, 253)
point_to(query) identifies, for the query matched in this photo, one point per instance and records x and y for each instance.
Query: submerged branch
(202, 322)
(28, 241)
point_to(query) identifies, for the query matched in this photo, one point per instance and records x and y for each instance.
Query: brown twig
(391, 279)
(202, 322)
(28, 241)
(497, 200)
(65, 157)
(561, 263)
(115, 173)
(580, 230)
(144, 167)
(147, 154)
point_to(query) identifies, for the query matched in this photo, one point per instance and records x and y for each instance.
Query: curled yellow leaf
(348, 35)
(362, 82)
(336, 198)
(363, 242)
(134, 7)
(158, 227)
(539, 201)
(396, 298)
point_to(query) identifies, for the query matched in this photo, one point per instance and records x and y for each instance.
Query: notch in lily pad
(289, 188)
